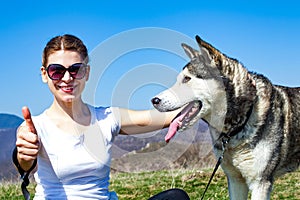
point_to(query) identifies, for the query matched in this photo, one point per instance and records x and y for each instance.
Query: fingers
(25, 137)
(27, 154)
(28, 120)
(27, 144)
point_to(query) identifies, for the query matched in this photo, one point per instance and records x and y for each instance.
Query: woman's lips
(67, 89)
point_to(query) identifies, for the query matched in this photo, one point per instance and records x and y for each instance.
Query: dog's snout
(156, 100)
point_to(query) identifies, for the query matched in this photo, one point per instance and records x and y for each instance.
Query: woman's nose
(67, 77)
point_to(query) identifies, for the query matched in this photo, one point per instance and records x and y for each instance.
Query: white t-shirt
(76, 166)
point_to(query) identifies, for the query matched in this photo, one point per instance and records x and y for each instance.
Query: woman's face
(67, 89)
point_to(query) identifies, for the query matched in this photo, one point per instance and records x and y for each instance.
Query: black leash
(213, 174)
(225, 139)
(24, 175)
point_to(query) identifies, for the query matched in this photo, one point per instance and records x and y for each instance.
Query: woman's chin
(68, 98)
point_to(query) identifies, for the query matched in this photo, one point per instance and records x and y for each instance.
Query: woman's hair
(65, 42)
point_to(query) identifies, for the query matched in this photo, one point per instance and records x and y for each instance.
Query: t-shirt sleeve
(116, 119)
(109, 120)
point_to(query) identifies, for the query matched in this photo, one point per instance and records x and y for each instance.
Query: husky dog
(259, 121)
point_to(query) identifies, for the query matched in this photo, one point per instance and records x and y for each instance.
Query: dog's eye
(186, 79)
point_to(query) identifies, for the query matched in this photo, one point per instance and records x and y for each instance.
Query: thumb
(28, 120)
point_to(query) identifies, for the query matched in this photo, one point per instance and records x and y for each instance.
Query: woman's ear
(44, 74)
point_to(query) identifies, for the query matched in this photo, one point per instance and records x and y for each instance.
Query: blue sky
(263, 35)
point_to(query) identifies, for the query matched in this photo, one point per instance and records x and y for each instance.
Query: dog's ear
(209, 52)
(204, 52)
(190, 52)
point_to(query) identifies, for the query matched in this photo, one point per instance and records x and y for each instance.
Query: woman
(71, 140)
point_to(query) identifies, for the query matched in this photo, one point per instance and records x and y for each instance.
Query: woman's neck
(77, 111)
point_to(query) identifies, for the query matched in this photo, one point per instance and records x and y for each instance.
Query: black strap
(225, 140)
(23, 175)
(213, 174)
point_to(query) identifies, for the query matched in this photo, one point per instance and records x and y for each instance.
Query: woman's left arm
(134, 122)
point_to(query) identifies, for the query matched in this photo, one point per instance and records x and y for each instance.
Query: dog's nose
(155, 100)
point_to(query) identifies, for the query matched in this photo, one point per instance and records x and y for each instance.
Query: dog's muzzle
(183, 119)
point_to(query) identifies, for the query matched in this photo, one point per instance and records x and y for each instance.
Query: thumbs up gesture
(27, 141)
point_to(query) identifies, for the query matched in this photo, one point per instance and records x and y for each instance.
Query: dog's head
(199, 90)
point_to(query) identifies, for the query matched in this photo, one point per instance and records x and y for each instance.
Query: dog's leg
(238, 189)
(261, 190)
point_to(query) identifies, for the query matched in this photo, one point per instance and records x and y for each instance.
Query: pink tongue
(176, 122)
(172, 129)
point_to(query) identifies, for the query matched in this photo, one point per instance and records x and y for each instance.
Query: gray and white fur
(261, 119)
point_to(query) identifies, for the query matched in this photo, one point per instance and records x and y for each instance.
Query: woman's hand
(27, 141)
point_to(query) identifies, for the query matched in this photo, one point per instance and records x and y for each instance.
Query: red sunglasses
(57, 71)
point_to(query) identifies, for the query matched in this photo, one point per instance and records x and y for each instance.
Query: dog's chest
(245, 161)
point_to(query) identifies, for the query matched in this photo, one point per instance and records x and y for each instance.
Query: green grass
(143, 185)
(139, 186)
(12, 191)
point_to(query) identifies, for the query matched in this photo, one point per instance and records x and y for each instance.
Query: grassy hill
(141, 185)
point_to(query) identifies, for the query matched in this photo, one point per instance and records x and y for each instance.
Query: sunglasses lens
(77, 70)
(55, 71)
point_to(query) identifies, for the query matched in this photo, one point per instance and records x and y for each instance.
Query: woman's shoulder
(107, 116)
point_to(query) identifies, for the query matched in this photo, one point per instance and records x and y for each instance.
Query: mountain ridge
(9, 121)
(8, 127)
